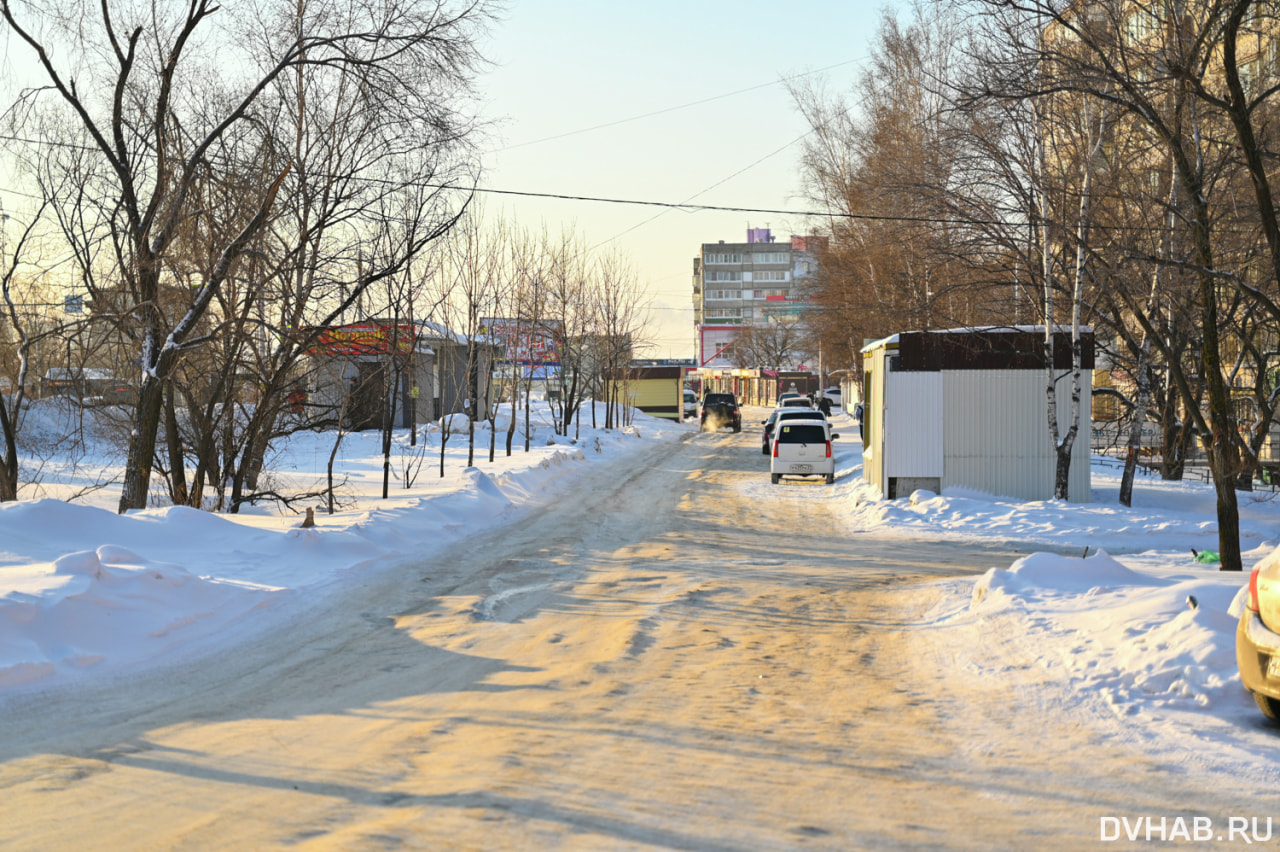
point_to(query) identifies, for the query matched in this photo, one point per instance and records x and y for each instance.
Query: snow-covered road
(667, 656)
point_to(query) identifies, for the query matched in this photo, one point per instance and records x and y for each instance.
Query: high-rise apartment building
(736, 285)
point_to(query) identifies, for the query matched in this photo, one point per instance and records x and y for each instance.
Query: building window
(771, 275)
(724, 313)
(724, 294)
(1141, 25)
(723, 257)
(769, 257)
(722, 276)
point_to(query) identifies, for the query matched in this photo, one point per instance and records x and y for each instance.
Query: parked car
(802, 448)
(796, 401)
(720, 410)
(1258, 639)
(786, 396)
(690, 404)
(778, 414)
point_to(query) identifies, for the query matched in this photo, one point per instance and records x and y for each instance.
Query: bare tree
(778, 344)
(619, 303)
(886, 161)
(1145, 66)
(133, 92)
(11, 403)
(568, 321)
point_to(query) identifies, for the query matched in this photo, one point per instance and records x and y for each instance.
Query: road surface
(674, 655)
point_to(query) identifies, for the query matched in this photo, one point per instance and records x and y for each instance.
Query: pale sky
(564, 66)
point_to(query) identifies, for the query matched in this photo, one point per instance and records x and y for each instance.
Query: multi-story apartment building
(736, 285)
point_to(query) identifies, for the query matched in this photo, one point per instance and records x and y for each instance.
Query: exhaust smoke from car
(715, 422)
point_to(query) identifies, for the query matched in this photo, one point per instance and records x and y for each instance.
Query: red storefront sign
(370, 338)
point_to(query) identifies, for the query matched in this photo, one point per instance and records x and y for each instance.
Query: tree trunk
(142, 445)
(1175, 443)
(1222, 449)
(515, 402)
(1142, 402)
(1139, 414)
(528, 391)
(177, 465)
(388, 424)
(9, 461)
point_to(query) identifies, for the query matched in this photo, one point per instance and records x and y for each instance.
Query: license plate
(801, 468)
(1273, 668)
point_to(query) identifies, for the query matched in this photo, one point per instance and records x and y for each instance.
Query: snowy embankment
(86, 591)
(1116, 618)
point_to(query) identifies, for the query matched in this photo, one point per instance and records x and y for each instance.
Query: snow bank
(112, 603)
(85, 591)
(1132, 638)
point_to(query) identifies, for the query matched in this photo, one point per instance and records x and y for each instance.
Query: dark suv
(719, 410)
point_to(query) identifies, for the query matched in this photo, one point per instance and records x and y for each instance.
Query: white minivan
(802, 448)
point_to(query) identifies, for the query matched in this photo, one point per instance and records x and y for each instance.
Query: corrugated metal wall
(914, 422)
(873, 415)
(997, 439)
(662, 397)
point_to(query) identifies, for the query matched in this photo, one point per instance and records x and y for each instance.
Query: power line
(697, 208)
(671, 109)
(668, 205)
(705, 191)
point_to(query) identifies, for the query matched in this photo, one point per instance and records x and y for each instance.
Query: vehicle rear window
(719, 397)
(802, 433)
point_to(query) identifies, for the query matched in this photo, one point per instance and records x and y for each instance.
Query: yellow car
(1258, 639)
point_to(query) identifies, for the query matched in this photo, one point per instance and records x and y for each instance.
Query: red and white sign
(522, 341)
(715, 345)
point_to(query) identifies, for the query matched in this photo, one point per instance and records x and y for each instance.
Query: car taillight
(828, 449)
(775, 448)
(1252, 602)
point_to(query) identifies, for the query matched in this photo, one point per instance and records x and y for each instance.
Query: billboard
(366, 338)
(523, 341)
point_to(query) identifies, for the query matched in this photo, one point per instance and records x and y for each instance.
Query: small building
(657, 391)
(757, 386)
(434, 371)
(87, 384)
(968, 408)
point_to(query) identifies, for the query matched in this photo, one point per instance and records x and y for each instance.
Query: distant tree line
(1071, 163)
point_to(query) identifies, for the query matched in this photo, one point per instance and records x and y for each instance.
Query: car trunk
(802, 443)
